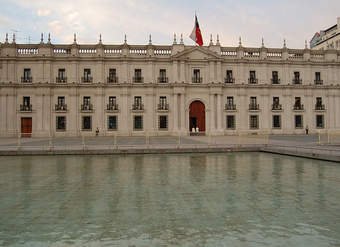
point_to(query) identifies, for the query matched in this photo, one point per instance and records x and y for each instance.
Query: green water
(236, 199)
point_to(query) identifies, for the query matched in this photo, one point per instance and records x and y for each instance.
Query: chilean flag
(196, 33)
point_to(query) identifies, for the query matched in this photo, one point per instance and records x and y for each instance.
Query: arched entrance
(197, 116)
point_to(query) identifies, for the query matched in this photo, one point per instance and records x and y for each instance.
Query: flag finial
(6, 41)
(284, 43)
(125, 40)
(182, 39)
(13, 38)
(175, 41)
(100, 38)
(150, 41)
(211, 41)
(74, 39)
(49, 38)
(42, 38)
(217, 40)
(239, 42)
(306, 44)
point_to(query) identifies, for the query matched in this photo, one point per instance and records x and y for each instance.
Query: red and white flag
(196, 33)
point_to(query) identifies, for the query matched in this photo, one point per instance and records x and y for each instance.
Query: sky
(252, 20)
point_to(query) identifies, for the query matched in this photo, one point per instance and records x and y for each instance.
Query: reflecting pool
(234, 199)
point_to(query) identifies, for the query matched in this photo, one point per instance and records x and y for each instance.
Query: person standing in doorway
(307, 129)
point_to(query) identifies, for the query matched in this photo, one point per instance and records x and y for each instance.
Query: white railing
(138, 51)
(61, 51)
(162, 52)
(87, 51)
(112, 51)
(229, 53)
(28, 51)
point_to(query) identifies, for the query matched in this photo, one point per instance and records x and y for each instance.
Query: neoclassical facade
(83, 90)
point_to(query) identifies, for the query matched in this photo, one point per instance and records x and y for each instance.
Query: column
(174, 72)
(182, 75)
(212, 113)
(219, 72)
(219, 113)
(182, 112)
(211, 71)
(175, 114)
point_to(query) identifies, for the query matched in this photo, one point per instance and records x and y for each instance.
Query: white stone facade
(327, 39)
(182, 74)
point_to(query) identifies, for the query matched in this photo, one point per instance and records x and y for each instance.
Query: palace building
(80, 89)
(328, 38)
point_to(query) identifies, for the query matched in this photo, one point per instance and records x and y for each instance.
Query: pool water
(233, 199)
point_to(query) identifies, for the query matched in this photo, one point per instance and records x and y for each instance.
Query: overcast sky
(274, 20)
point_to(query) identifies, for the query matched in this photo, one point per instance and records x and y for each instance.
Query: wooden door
(26, 127)
(197, 116)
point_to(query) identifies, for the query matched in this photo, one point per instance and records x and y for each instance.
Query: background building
(325, 39)
(71, 90)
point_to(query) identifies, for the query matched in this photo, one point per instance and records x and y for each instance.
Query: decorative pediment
(196, 53)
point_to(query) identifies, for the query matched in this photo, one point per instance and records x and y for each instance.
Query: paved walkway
(299, 145)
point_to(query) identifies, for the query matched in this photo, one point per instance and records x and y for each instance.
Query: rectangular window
(275, 77)
(112, 100)
(162, 76)
(197, 76)
(26, 100)
(320, 121)
(87, 123)
(163, 105)
(254, 121)
(163, 122)
(87, 75)
(27, 76)
(138, 122)
(61, 74)
(230, 122)
(298, 122)
(112, 123)
(252, 77)
(229, 78)
(230, 100)
(253, 104)
(112, 76)
(276, 121)
(296, 79)
(138, 76)
(276, 104)
(61, 100)
(317, 76)
(61, 123)
(297, 104)
(87, 100)
(137, 104)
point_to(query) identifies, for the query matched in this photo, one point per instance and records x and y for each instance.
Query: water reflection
(162, 200)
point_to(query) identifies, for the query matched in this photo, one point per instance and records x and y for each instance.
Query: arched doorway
(197, 116)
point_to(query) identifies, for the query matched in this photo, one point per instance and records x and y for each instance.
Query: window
(163, 105)
(87, 123)
(27, 76)
(253, 104)
(162, 76)
(112, 123)
(138, 122)
(229, 78)
(137, 105)
(61, 100)
(61, 75)
(230, 122)
(87, 75)
(230, 103)
(252, 77)
(297, 79)
(26, 100)
(86, 103)
(163, 122)
(276, 104)
(112, 103)
(254, 121)
(112, 100)
(297, 104)
(61, 123)
(112, 76)
(320, 121)
(197, 76)
(138, 76)
(275, 77)
(298, 121)
(317, 76)
(276, 121)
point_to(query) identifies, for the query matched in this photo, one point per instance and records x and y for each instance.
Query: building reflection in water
(277, 173)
